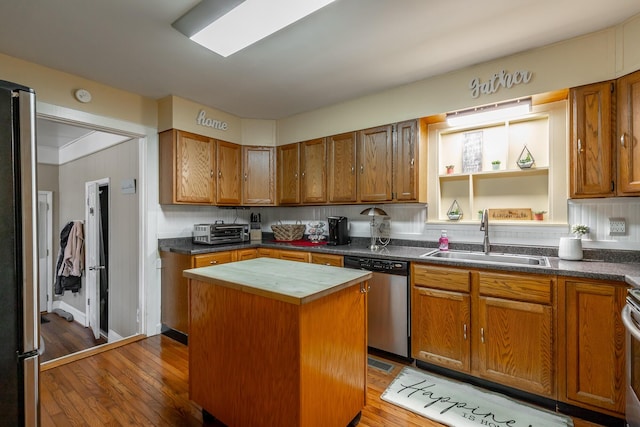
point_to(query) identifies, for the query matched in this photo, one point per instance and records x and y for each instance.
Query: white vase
(570, 248)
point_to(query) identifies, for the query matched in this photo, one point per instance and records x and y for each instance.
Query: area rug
(462, 405)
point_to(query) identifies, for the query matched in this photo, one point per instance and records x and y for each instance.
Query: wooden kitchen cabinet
(229, 169)
(494, 326)
(591, 161)
(592, 342)
(243, 254)
(288, 165)
(259, 170)
(375, 154)
(628, 141)
(174, 293)
(313, 171)
(293, 255)
(341, 165)
(515, 326)
(327, 259)
(441, 319)
(187, 163)
(405, 161)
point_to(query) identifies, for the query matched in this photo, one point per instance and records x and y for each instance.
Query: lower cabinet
(495, 326)
(592, 371)
(174, 293)
(327, 259)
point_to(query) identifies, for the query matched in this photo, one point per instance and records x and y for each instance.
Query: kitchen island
(275, 342)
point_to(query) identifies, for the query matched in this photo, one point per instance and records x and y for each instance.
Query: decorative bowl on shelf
(525, 164)
(525, 159)
(454, 216)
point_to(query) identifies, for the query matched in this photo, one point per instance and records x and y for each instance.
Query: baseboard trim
(78, 316)
(181, 337)
(44, 366)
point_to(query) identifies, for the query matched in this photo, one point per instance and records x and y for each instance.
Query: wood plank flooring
(62, 337)
(146, 384)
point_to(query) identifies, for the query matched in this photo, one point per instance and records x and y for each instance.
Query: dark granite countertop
(595, 265)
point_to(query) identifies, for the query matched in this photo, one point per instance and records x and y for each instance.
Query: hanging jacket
(70, 258)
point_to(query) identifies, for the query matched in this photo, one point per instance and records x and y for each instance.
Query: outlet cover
(617, 227)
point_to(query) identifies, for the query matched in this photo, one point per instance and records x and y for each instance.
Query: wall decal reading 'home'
(203, 120)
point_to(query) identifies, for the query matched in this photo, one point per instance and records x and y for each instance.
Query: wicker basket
(288, 232)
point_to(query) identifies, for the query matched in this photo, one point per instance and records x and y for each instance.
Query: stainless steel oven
(631, 320)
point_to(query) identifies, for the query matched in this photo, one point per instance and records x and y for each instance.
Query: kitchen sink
(497, 258)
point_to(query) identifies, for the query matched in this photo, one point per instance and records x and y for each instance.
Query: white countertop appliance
(220, 233)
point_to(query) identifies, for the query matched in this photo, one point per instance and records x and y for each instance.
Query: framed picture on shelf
(472, 152)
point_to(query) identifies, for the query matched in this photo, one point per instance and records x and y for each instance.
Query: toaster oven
(219, 233)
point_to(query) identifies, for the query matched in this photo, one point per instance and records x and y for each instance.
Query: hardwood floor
(62, 337)
(146, 384)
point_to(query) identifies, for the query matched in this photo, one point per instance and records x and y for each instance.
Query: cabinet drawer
(529, 287)
(334, 260)
(207, 260)
(242, 254)
(450, 279)
(294, 256)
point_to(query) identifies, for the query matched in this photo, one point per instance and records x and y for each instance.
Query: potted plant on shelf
(539, 215)
(495, 165)
(449, 169)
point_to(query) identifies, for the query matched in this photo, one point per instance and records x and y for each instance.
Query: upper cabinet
(629, 135)
(199, 170)
(605, 153)
(229, 167)
(405, 161)
(591, 154)
(288, 164)
(258, 166)
(187, 163)
(313, 171)
(341, 164)
(375, 154)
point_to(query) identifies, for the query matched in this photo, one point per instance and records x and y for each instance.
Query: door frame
(148, 273)
(49, 243)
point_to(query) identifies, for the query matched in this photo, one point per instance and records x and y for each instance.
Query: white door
(92, 255)
(45, 249)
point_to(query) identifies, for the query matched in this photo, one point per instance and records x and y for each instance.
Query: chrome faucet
(484, 226)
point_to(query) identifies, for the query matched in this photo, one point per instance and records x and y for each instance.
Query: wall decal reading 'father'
(498, 80)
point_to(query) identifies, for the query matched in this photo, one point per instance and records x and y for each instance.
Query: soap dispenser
(443, 242)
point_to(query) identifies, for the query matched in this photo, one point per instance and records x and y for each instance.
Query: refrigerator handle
(28, 196)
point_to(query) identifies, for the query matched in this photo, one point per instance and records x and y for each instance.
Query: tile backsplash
(408, 222)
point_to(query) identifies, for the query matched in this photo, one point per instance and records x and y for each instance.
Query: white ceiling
(348, 49)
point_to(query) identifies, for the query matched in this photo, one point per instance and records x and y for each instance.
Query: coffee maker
(338, 230)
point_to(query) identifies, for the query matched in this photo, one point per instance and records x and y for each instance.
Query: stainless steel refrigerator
(19, 311)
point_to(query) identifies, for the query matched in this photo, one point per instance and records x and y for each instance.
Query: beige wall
(595, 57)
(48, 181)
(57, 88)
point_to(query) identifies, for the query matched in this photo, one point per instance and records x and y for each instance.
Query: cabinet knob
(579, 146)
(361, 168)
(353, 169)
(302, 174)
(482, 335)
(464, 330)
(412, 162)
(220, 174)
(245, 176)
(213, 262)
(622, 140)
(211, 173)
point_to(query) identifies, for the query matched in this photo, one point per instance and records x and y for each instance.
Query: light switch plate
(617, 227)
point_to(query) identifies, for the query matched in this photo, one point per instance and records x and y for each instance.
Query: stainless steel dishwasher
(387, 303)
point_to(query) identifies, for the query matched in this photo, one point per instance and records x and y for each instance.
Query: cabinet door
(405, 161)
(313, 167)
(258, 164)
(294, 255)
(629, 134)
(228, 173)
(341, 163)
(288, 172)
(441, 328)
(375, 154)
(242, 254)
(515, 344)
(187, 162)
(591, 155)
(595, 344)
